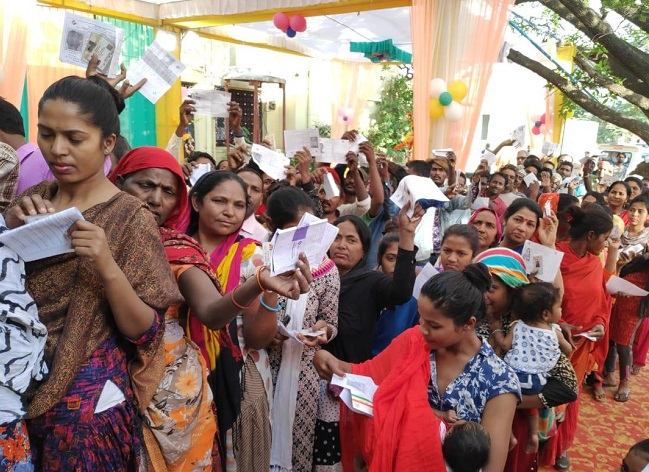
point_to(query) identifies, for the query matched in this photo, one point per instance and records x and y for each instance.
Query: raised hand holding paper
(541, 261)
(296, 139)
(272, 163)
(529, 179)
(159, 67)
(413, 188)
(212, 103)
(333, 151)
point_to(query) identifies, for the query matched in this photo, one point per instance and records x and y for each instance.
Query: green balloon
(445, 99)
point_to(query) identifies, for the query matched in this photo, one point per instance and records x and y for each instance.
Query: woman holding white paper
(294, 376)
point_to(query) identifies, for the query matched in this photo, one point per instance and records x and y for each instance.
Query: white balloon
(437, 87)
(454, 112)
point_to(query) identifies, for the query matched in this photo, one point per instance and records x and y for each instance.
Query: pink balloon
(542, 119)
(298, 23)
(536, 130)
(281, 21)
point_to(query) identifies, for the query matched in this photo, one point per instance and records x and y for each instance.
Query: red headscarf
(499, 226)
(149, 157)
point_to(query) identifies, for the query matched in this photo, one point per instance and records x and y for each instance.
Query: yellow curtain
(352, 87)
(14, 44)
(467, 39)
(422, 21)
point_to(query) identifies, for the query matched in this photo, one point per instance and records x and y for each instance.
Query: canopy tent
(455, 40)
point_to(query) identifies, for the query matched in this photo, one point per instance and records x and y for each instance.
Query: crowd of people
(154, 344)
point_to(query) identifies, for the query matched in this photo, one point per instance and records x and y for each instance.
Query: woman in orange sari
(586, 309)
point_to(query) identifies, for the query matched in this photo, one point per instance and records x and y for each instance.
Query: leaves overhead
(611, 76)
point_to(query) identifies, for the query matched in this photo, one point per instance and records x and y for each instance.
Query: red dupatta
(404, 434)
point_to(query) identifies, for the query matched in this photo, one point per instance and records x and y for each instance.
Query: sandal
(598, 394)
(622, 397)
(562, 462)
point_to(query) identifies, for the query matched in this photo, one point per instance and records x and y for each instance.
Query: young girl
(534, 343)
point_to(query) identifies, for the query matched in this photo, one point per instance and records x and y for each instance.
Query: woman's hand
(597, 332)
(327, 365)
(409, 224)
(31, 205)
(567, 330)
(313, 341)
(89, 240)
(290, 284)
(126, 90)
(548, 230)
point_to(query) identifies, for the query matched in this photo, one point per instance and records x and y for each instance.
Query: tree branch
(632, 13)
(573, 92)
(590, 23)
(618, 89)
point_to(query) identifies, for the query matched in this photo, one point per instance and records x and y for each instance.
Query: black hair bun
(478, 275)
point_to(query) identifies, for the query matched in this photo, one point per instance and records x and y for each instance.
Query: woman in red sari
(586, 309)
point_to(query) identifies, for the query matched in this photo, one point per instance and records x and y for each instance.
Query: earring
(106, 151)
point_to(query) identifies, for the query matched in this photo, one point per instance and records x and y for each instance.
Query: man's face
(549, 166)
(511, 178)
(564, 170)
(438, 174)
(531, 170)
(520, 158)
(496, 186)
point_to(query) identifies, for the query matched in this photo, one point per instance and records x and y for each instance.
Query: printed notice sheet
(212, 103)
(296, 139)
(160, 69)
(272, 163)
(518, 136)
(333, 151)
(617, 285)
(541, 261)
(45, 237)
(358, 392)
(82, 37)
(312, 236)
(413, 188)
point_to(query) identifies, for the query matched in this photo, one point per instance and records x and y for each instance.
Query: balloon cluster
(345, 115)
(289, 25)
(539, 124)
(445, 99)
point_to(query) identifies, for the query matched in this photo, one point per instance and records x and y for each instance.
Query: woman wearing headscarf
(179, 426)
(489, 227)
(507, 269)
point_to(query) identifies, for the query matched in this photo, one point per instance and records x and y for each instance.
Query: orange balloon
(436, 110)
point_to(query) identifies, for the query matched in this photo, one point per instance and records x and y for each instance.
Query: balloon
(458, 90)
(281, 21)
(298, 23)
(436, 110)
(535, 118)
(454, 112)
(536, 130)
(542, 119)
(290, 32)
(538, 123)
(445, 99)
(345, 118)
(437, 87)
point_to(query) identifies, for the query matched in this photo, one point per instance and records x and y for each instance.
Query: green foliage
(324, 130)
(389, 117)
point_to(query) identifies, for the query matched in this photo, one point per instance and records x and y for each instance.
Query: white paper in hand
(518, 136)
(529, 179)
(159, 67)
(480, 202)
(213, 103)
(358, 392)
(333, 151)
(296, 139)
(413, 188)
(617, 285)
(541, 261)
(362, 158)
(489, 156)
(426, 273)
(198, 172)
(272, 163)
(45, 237)
(330, 186)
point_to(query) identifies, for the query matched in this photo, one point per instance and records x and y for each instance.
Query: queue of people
(154, 344)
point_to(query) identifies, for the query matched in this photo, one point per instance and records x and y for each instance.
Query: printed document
(82, 37)
(541, 261)
(45, 237)
(213, 103)
(272, 163)
(358, 392)
(296, 139)
(159, 67)
(333, 151)
(617, 285)
(413, 188)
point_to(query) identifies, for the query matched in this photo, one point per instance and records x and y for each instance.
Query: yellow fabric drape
(166, 109)
(422, 23)
(352, 87)
(467, 38)
(565, 55)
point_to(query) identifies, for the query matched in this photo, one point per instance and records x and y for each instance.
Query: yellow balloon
(436, 110)
(458, 90)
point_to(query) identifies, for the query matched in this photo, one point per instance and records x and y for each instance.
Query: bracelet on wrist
(258, 276)
(274, 309)
(237, 304)
(238, 135)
